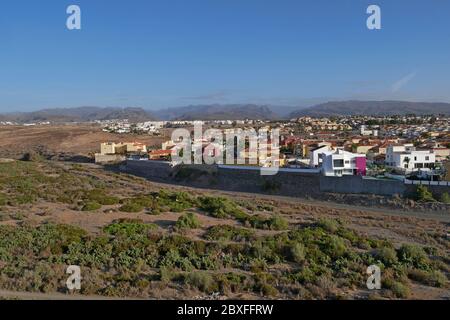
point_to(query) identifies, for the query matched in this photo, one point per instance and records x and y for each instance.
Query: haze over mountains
(231, 112)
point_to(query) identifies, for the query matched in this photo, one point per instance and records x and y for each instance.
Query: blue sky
(164, 53)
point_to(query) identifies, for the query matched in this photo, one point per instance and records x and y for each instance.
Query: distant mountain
(81, 114)
(375, 108)
(218, 112)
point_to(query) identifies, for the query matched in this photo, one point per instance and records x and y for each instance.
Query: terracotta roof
(161, 152)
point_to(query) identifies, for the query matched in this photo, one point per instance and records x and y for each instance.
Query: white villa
(408, 159)
(339, 163)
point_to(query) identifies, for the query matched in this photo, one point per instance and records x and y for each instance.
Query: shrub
(166, 274)
(277, 222)
(334, 246)
(413, 255)
(201, 280)
(3, 199)
(445, 198)
(433, 278)
(386, 255)
(220, 207)
(423, 194)
(298, 252)
(99, 196)
(328, 225)
(258, 265)
(229, 233)
(188, 221)
(177, 201)
(398, 289)
(131, 207)
(268, 290)
(91, 206)
(128, 227)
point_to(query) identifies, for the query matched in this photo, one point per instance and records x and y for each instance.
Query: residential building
(315, 155)
(408, 159)
(339, 163)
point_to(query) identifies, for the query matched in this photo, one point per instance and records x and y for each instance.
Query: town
(400, 147)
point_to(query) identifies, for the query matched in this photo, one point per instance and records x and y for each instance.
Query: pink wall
(361, 166)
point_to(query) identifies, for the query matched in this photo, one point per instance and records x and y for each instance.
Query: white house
(339, 163)
(315, 155)
(408, 159)
(368, 132)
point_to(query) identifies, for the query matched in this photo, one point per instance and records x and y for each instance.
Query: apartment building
(122, 148)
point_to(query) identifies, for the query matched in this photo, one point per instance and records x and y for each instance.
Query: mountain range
(231, 112)
(374, 108)
(80, 114)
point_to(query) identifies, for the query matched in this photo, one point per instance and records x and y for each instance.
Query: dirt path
(51, 296)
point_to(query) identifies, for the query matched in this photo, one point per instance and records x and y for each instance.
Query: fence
(427, 183)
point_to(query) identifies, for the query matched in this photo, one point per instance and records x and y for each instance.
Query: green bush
(277, 222)
(229, 233)
(188, 221)
(220, 207)
(201, 280)
(129, 227)
(176, 201)
(433, 278)
(413, 255)
(268, 290)
(386, 255)
(334, 246)
(328, 225)
(91, 206)
(445, 197)
(298, 252)
(399, 289)
(131, 207)
(3, 199)
(99, 196)
(423, 194)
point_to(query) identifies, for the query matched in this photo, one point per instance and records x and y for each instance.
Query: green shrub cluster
(229, 233)
(188, 221)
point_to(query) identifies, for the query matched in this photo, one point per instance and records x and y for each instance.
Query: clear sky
(162, 53)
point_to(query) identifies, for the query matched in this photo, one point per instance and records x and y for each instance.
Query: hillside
(81, 114)
(350, 108)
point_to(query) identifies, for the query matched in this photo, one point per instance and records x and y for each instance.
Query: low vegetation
(251, 248)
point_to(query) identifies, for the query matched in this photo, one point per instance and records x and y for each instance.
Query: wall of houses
(287, 182)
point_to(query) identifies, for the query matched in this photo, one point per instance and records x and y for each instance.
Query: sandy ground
(77, 139)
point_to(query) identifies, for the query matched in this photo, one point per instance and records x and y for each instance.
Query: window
(339, 163)
(427, 158)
